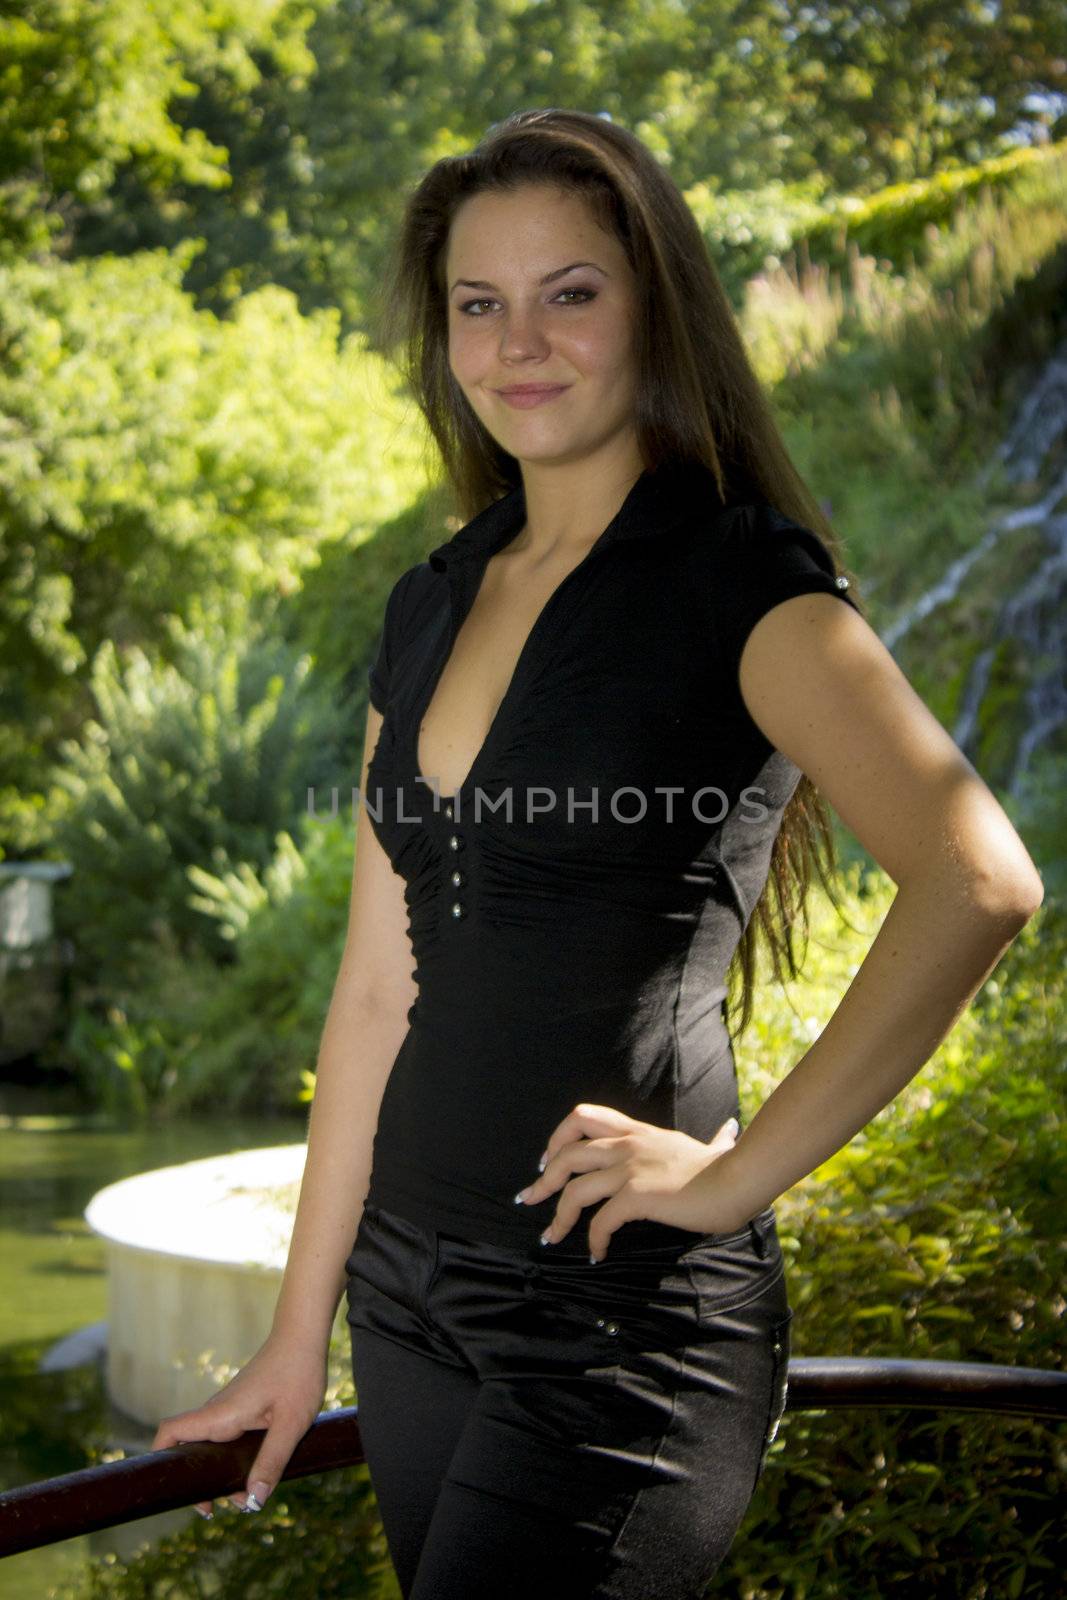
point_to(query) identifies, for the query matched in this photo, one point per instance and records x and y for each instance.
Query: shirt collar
(661, 498)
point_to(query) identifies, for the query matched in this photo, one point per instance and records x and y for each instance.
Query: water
(53, 1276)
(1032, 616)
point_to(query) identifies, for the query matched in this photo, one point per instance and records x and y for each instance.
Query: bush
(200, 763)
(241, 1035)
(936, 1233)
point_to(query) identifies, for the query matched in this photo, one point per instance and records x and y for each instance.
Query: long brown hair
(698, 397)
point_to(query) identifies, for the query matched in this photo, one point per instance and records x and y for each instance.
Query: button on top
(841, 582)
(455, 842)
(448, 812)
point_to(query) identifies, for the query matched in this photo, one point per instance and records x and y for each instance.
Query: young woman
(601, 716)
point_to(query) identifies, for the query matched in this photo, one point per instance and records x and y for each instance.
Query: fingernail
(258, 1496)
(543, 1163)
(544, 1238)
(520, 1197)
(594, 1259)
(207, 1515)
(734, 1126)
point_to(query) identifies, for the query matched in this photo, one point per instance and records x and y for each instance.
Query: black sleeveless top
(573, 909)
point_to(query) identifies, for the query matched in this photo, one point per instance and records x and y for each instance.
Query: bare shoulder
(820, 684)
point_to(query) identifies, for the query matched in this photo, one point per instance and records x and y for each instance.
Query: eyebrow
(549, 277)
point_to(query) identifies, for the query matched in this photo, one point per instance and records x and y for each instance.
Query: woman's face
(520, 312)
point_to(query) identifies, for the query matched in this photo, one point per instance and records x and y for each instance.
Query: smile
(523, 399)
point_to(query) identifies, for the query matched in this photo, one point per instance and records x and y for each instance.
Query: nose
(523, 337)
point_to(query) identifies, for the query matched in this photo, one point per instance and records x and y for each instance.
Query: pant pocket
(626, 1304)
(780, 1350)
(730, 1274)
(391, 1258)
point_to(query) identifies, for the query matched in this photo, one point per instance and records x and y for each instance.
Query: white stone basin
(195, 1258)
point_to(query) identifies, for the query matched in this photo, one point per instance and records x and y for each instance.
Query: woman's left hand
(640, 1170)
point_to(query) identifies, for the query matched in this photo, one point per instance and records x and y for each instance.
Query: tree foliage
(284, 134)
(153, 455)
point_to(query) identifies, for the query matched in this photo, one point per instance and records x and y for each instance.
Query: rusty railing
(143, 1485)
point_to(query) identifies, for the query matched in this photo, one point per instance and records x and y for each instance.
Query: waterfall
(1034, 616)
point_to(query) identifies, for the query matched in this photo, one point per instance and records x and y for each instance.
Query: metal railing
(143, 1485)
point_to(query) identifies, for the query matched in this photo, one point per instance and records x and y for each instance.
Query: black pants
(562, 1428)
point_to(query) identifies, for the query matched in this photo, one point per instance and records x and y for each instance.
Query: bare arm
(823, 688)
(364, 1028)
(281, 1388)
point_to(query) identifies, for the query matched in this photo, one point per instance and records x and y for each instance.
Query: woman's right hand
(280, 1389)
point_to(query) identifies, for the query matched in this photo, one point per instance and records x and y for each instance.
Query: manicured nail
(543, 1163)
(258, 1496)
(544, 1238)
(594, 1259)
(520, 1198)
(207, 1515)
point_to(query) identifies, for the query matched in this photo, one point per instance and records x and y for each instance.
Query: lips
(531, 394)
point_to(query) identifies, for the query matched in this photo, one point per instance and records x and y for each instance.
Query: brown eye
(467, 311)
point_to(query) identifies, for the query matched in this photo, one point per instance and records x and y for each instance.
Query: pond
(53, 1276)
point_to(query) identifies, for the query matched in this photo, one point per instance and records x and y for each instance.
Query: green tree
(152, 454)
(87, 88)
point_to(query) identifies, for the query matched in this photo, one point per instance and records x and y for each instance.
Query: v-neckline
(426, 699)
